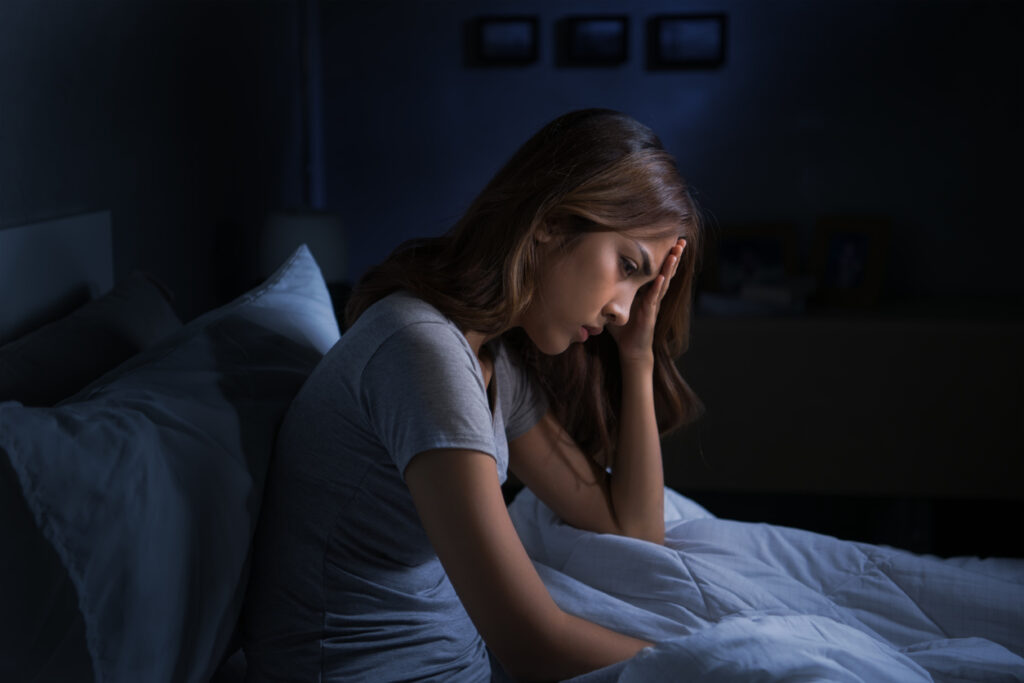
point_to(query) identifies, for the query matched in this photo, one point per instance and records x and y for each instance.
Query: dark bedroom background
(892, 412)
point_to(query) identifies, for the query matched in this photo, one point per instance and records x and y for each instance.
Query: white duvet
(733, 601)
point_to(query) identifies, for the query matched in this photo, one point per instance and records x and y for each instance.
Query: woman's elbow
(644, 529)
(653, 533)
(656, 536)
(563, 647)
(527, 664)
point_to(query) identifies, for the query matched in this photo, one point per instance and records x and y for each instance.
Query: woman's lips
(586, 332)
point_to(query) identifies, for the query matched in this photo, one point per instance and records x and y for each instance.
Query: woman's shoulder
(400, 308)
(400, 316)
(395, 312)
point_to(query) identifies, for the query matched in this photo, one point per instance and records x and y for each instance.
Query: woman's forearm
(637, 480)
(570, 646)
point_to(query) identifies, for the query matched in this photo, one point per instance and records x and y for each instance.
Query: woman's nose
(616, 311)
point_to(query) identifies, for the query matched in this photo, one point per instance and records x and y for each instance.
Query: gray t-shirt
(345, 584)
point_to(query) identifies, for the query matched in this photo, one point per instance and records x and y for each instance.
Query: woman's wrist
(637, 363)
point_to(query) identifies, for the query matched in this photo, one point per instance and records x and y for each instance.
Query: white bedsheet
(733, 601)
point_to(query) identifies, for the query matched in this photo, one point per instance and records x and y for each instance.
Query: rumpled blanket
(734, 601)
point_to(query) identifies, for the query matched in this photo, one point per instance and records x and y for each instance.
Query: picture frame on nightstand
(848, 258)
(745, 256)
(753, 269)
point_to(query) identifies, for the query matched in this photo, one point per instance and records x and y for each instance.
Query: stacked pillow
(58, 359)
(147, 483)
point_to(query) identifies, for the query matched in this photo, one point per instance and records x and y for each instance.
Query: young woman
(385, 550)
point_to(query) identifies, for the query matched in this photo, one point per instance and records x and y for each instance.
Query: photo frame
(505, 40)
(686, 41)
(593, 40)
(750, 257)
(848, 259)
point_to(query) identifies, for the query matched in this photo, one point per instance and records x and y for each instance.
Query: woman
(385, 550)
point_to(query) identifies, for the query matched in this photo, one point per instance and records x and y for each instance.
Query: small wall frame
(686, 41)
(502, 40)
(593, 40)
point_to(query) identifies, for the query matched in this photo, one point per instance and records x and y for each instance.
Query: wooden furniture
(891, 417)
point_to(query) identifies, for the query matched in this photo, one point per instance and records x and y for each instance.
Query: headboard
(51, 267)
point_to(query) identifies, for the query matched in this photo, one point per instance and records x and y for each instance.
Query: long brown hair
(586, 171)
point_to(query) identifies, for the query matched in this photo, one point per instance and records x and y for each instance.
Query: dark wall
(180, 117)
(184, 118)
(907, 110)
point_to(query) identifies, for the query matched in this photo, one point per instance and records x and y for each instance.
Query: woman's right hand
(636, 337)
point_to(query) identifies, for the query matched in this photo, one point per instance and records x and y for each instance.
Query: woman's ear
(543, 234)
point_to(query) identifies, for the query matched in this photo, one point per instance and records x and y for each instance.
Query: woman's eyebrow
(646, 268)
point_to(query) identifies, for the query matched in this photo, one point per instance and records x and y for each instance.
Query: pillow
(56, 360)
(42, 636)
(148, 482)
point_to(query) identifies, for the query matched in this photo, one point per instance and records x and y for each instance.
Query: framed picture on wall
(848, 259)
(502, 41)
(595, 40)
(686, 41)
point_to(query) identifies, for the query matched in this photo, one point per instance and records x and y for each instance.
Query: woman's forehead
(657, 244)
(672, 230)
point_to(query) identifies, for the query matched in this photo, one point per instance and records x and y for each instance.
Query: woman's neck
(478, 339)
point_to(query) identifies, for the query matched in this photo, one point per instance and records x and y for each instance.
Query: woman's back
(345, 583)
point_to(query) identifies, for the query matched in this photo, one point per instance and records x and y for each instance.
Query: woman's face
(590, 285)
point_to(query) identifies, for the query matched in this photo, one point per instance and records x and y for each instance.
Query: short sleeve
(522, 398)
(422, 390)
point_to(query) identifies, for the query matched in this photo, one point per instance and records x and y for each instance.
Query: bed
(134, 449)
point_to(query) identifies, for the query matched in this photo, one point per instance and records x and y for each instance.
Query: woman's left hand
(635, 339)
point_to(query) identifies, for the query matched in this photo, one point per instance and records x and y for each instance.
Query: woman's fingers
(658, 288)
(671, 265)
(679, 256)
(655, 292)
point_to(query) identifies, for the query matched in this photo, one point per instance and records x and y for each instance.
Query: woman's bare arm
(630, 500)
(638, 482)
(459, 501)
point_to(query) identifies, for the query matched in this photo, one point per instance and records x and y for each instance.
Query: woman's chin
(550, 346)
(553, 349)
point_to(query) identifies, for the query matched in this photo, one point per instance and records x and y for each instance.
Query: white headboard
(49, 268)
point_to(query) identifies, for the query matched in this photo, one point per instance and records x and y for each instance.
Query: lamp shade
(321, 231)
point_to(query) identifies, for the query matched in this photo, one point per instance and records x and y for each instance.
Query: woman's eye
(628, 267)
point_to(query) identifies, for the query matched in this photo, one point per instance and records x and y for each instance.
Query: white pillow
(148, 482)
